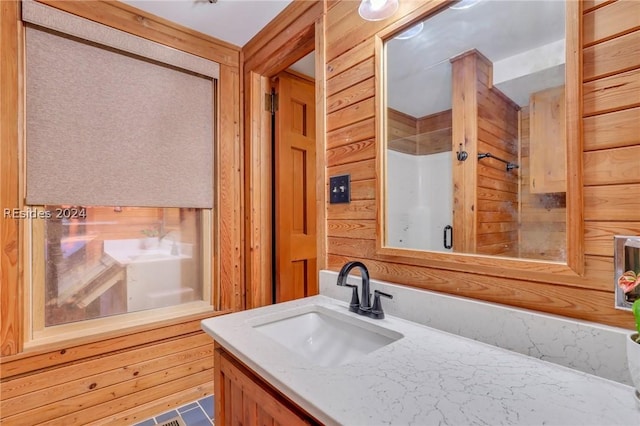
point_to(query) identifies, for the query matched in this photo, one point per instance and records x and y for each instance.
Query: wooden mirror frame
(527, 269)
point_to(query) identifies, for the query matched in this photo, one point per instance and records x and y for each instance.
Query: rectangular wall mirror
(474, 118)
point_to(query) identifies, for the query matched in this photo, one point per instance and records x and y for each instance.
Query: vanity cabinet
(243, 398)
(547, 148)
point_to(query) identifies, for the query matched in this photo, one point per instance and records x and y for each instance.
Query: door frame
(296, 32)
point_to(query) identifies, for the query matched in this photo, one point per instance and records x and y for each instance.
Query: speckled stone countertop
(426, 377)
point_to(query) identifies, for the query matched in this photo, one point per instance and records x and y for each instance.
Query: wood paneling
(354, 132)
(611, 122)
(11, 301)
(351, 114)
(613, 56)
(350, 96)
(298, 30)
(613, 20)
(611, 202)
(101, 379)
(612, 130)
(612, 166)
(125, 375)
(612, 93)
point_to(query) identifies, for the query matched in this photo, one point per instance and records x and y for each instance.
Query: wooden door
(295, 194)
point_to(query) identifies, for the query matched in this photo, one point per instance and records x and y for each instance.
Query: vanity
(313, 361)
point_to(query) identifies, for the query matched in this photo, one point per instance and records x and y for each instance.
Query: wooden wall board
(611, 202)
(612, 93)
(354, 152)
(576, 302)
(598, 236)
(359, 170)
(350, 96)
(351, 114)
(613, 20)
(355, 229)
(611, 57)
(11, 301)
(610, 122)
(354, 132)
(612, 166)
(612, 130)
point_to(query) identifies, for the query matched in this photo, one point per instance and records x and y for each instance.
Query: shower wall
(420, 206)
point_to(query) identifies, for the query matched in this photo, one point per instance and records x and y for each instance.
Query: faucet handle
(376, 309)
(354, 305)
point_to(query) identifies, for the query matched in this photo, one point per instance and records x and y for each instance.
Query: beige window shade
(106, 127)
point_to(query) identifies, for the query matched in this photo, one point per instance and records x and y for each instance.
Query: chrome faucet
(364, 307)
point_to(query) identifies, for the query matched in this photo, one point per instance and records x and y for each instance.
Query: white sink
(326, 337)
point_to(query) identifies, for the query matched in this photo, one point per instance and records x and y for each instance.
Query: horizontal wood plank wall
(611, 126)
(610, 207)
(118, 378)
(497, 202)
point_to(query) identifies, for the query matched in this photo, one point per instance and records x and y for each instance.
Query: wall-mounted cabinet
(548, 147)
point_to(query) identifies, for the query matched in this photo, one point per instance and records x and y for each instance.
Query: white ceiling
(419, 71)
(234, 21)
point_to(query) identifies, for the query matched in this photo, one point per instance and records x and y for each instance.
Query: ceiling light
(411, 32)
(377, 10)
(464, 4)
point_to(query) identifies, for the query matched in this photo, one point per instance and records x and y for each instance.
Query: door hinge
(271, 102)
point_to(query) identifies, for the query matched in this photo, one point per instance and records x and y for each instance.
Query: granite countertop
(426, 377)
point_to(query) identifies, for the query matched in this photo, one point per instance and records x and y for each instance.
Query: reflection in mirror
(475, 131)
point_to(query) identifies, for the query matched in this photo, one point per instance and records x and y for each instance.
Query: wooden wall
(543, 217)
(126, 375)
(611, 135)
(426, 135)
(498, 190)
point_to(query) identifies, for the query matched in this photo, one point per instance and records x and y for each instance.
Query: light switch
(340, 189)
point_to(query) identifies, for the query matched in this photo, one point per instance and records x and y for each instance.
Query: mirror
(475, 121)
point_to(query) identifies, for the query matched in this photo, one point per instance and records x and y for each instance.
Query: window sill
(109, 327)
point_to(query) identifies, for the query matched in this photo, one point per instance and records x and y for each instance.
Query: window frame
(37, 334)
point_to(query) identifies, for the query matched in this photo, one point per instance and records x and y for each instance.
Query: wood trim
(230, 192)
(258, 182)
(265, 39)
(135, 21)
(321, 144)
(574, 112)
(533, 270)
(284, 40)
(11, 302)
(287, 38)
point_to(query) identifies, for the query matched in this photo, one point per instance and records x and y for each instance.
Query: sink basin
(327, 338)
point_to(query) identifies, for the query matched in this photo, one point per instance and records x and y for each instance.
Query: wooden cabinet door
(241, 399)
(548, 158)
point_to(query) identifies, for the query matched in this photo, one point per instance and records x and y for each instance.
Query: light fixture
(377, 10)
(411, 32)
(464, 4)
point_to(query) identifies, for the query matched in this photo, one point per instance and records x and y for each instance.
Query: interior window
(103, 261)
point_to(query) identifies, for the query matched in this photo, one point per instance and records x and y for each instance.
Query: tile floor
(197, 413)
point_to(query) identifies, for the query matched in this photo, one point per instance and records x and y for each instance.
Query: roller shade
(108, 127)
